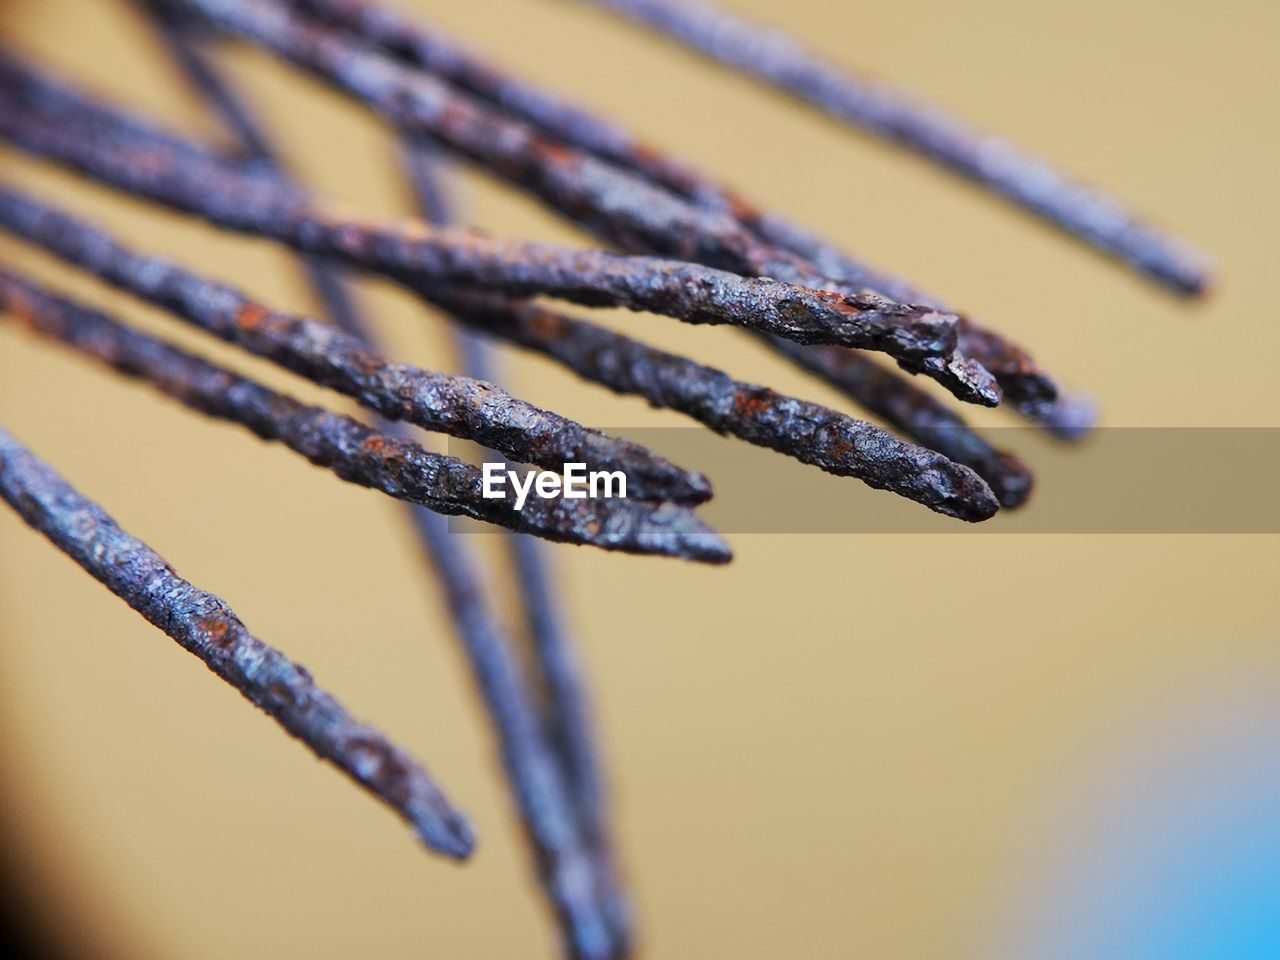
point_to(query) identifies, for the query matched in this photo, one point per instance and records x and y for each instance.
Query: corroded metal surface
(458, 406)
(915, 413)
(965, 378)
(354, 452)
(1028, 181)
(237, 200)
(777, 242)
(613, 203)
(205, 626)
(816, 435)
(601, 926)
(811, 433)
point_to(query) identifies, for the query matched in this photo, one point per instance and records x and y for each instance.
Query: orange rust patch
(752, 403)
(216, 629)
(375, 445)
(251, 316)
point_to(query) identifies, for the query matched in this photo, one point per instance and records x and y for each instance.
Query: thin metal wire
(205, 626)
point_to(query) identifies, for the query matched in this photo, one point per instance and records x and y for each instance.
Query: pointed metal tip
(697, 489)
(449, 835)
(673, 531)
(1182, 268)
(964, 495)
(708, 548)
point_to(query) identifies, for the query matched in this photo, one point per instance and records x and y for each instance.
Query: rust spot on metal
(752, 403)
(218, 632)
(354, 452)
(203, 625)
(251, 316)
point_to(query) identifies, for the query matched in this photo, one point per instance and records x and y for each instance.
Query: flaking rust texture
(1026, 180)
(746, 239)
(915, 413)
(569, 839)
(354, 452)
(553, 676)
(234, 199)
(615, 204)
(205, 626)
(59, 102)
(691, 248)
(834, 442)
(811, 433)
(458, 406)
(1018, 374)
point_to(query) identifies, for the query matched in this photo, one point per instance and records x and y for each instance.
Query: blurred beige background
(809, 758)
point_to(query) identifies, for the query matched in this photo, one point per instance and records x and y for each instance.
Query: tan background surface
(810, 759)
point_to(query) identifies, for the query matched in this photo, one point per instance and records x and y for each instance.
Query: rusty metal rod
(585, 925)
(563, 864)
(951, 490)
(205, 626)
(236, 200)
(1028, 181)
(455, 405)
(965, 378)
(352, 451)
(253, 147)
(811, 433)
(554, 669)
(612, 203)
(916, 414)
(585, 189)
(1019, 375)
(418, 44)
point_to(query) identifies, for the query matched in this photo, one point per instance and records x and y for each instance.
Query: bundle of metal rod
(591, 928)
(455, 405)
(966, 379)
(965, 374)
(237, 200)
(493, 664)
(205, 626)
(1028, 181)
(252, 146)
(73, 106)
(918, 474)
(553, 670)
(352, 451)
(419, 104)
(424, 47)
(1023, 381)
(612, 203)
(565, 867)
(811, 433)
